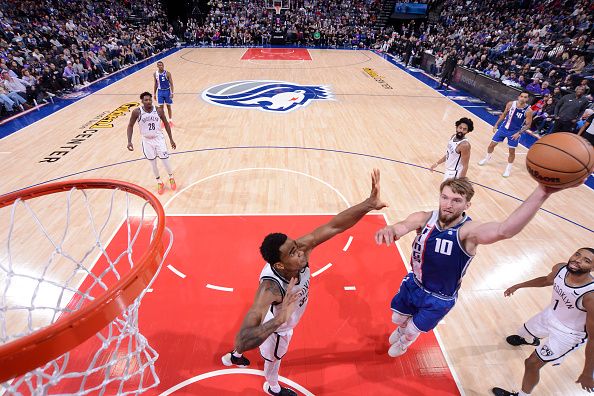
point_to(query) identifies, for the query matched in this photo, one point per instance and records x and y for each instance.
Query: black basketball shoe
(230, 360)
(503, 392)
(516, 340)
(283, 391)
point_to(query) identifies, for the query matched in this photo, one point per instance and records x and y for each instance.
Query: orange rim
(27, 353)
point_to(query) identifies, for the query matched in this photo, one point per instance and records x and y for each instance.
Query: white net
(57, 255)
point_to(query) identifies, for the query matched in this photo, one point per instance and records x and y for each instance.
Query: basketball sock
(485, 160)
(155, 169)
(167, 166)
(409, 335)
(508, 169)
(271, 374)
(522, 393)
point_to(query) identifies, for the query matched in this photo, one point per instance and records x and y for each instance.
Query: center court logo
(273, 96)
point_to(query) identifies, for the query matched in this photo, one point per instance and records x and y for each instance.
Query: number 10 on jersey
(443, 246)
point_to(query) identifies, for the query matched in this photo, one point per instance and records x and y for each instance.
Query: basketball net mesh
(121, 360)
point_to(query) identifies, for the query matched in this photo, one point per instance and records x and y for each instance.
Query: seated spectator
(14, 85)
(538, 74)
(505, 76)
(539, 104)
(495, 72)
(582, 120)
(578, 65)
(80, 70)
(34, 93)
(71, 75)
(10, 99)
(544, 88)
(534, 87)
(584, 84)
(542, 121)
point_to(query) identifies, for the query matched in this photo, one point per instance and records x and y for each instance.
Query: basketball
(560, 160)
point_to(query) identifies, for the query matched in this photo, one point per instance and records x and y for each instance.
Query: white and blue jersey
(438, 263)
(163, 88)
(513, 122)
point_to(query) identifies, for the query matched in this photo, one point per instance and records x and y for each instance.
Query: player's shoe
(483, 161)
(229, 360)
(503, 392)
(396, 350)
(516, 340)
(172, 184)
(283, 391)
(506, 173)
(160, 187)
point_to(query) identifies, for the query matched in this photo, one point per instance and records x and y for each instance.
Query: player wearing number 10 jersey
(149, 120)
(446, 242)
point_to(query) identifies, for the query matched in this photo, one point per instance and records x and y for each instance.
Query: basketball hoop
(105, 302)
(277, 7)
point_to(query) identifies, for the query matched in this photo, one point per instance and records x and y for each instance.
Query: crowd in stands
(545, 48)
(307, 22)
(52, 47)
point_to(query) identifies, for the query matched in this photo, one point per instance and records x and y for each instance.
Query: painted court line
(324, 268)
(243, 371)
(221, 288)
(345, 248)
(257, 169)
(176, 271)
(350, 288)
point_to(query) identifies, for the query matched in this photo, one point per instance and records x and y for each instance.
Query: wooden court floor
(310, 160)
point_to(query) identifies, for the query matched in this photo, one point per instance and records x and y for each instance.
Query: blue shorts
(427, 309)
(164, 96)
(502, 134)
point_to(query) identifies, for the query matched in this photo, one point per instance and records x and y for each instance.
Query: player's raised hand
(510, 291)
(130, 146)
(386, 235)
(374, 197)
(289, 303)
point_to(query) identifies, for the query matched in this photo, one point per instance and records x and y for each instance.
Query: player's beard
(446, 218)
(459, 135)
(578, 271)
